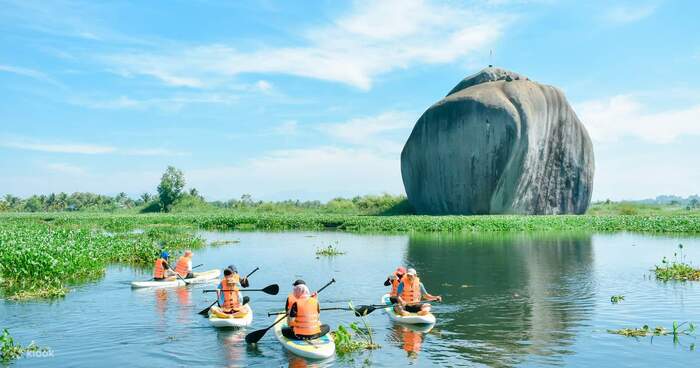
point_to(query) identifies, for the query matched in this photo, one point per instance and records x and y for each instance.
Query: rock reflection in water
(508, 297)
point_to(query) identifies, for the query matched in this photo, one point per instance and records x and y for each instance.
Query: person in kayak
(244, 280)
(290, 301)
(228, 297)
(394, 280)
(410, 294)
(184, 265)
(305, 313)
(161, 269)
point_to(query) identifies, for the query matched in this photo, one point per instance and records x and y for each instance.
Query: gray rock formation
(499, 143)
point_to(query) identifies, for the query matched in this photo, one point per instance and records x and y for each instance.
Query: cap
(299, 282)
(232, 268)
(401, 270)
(411, 271)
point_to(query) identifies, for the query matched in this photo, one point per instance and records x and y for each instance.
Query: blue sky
(314, 100)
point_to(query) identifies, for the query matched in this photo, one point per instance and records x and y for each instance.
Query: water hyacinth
(39, 259)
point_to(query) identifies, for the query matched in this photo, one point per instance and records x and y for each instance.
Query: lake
(509, 300)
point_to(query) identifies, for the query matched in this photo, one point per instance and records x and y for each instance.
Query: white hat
(411, 271)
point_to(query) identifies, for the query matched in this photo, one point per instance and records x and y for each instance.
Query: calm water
(510, 300)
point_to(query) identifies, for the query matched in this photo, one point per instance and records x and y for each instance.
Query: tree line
(171, 195)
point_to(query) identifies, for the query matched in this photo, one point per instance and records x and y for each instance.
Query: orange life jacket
(181, 266)
(307, 321)
(230, 292)
(159, 269)
(395, 286)
(290, 301)
(411, 290)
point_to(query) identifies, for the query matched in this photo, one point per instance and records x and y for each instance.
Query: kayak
(412, 319)
(218, 319)
(320, 348)
(199, 277)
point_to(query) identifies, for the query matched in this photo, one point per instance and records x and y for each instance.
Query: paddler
(305, 313)
(228, 297)
(161, 269)
(184, 265)
(410, 293)
(290, 301)
(394, 280)
(244, 280)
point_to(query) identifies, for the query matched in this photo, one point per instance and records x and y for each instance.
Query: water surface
(510, 300)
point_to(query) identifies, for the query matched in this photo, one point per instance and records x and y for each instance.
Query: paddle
(269, 289)
(255, 336)
(205, 311)
(360, 311)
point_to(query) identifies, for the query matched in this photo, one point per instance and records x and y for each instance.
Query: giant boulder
(499, 143)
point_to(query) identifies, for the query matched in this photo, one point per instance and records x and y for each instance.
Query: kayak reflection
(409, 337)
(299, 362)
(233, 343)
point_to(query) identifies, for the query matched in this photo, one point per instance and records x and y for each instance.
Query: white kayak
(412, 319)
(218, 319)
(199, 278)
(321, 348)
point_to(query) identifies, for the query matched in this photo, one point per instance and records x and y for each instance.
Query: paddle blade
(364, 310)
(255, 336)
(273, 289)
(205, 311)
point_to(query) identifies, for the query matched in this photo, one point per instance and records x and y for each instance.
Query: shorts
(413, 308)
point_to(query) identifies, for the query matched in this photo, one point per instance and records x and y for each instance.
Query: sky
(315, 99)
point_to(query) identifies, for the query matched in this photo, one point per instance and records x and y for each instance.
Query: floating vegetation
(676, 269)
(677, 330)
(355, 339)
(40, 259)
(224, 242)
(330, 250)
(359, 339)
(616, 299)
(10, 351)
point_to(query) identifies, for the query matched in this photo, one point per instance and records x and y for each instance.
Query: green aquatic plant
(676, 269)
(359, 339)
(355, 339)
(223, 242)
(329, 250)
(676, 330)
(10, 351)
(617, 298)
(39, 259)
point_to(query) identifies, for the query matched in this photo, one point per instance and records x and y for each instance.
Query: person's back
(161, 266)
(184, 265)
(304, 316)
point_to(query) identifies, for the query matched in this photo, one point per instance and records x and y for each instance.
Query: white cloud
(318, 173)
(289, 127)
(172, 103)
(26, 72)
(386, 131)
(263, 85)
(630, 13)
(374, 38)
(626, 116)
(64, 168)
(84, 149)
